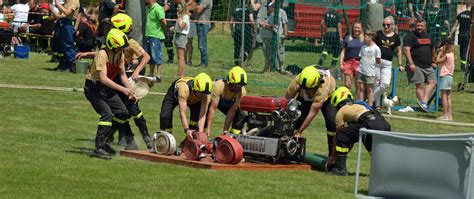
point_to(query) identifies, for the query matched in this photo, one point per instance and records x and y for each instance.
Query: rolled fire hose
(318, 161)
(201, 137)
(164, 143)
(228, 150)
(191, 149)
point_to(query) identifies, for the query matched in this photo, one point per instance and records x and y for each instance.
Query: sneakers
(156, 79)
(423, 106)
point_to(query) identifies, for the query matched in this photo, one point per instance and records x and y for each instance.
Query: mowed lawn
(45, 138)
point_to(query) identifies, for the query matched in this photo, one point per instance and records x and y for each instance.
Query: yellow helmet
(202, 83)
(116, 39)
(309, 77)
(340, 94)
(122, 22)
(237, 75)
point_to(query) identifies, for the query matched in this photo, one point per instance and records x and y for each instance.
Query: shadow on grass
(50, 69)
(87, 152)
(360, 174)
(85, 140)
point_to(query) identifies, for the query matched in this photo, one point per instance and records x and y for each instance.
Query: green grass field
(45, 138)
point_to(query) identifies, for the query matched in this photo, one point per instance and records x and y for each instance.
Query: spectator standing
(332, 22)
(463, 20)
(236, 29)
(370, 58)
(107, 9)
(436, 23)
(388, 41)
(192, 33)
(181, 28)
(349, 57)
(155, 26)
(446, 59)
(420, 54)
(255, 7)
(65, 31)
(171, 8)
(267, 34)
(203, 13)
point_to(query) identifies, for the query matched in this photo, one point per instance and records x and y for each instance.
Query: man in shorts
(419, 52)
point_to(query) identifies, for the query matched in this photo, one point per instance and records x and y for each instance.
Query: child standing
(445, 58)
(370, 58)
(182, 29)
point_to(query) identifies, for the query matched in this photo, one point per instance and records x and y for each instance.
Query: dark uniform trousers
(169, 43)
(347, 136)
(135, 113)
(170, 101)
(239, 119)
(329, 113)
(108, 105)
(332, 44)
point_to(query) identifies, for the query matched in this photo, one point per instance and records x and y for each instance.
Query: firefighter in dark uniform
(101, 90)
(313, 88)
(350, 118)
(171, 10)
(187, 92)
(463, 20)
(332, 37)
(226, 96)
(436, 23)
(135, 60)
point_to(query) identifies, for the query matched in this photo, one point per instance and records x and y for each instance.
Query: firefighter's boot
(101, 148)
(340, 168)
(141, 124)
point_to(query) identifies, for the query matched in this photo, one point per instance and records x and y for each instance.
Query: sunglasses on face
(386, 25)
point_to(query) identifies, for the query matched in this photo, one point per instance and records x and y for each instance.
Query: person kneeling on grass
(357, 115)
(226, 96)
(187, 92)
(101, 90)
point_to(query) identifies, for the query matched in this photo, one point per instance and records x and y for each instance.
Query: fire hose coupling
(163, 143)
(196, 148)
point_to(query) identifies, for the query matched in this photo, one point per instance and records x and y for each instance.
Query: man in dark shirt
(419, 52)
(107, 9)
(171, 9)
(237, 33)
(436, 23)
(332, 37)
(463, 20)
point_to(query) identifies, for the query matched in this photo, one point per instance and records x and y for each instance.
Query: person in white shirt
(370, 59)
(182, 30)
(20, 14)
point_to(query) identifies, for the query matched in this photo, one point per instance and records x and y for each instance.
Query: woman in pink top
(446, 59)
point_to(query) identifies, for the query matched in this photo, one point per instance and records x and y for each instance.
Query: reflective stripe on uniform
(119, 120)
(137, 116)
(325, 53)
(193, 123)
(235, 131)
(168, 130)
(463, 62)
(331, 133)
(102, 123)
(342, 149)
(335, 58)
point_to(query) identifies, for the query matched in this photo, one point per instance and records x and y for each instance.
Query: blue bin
(22, 51)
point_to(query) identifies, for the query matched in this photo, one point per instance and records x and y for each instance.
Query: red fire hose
(228, 150)
(191, 149)
(201, 137)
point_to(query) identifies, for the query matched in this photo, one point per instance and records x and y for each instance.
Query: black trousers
(463, 44)
(170, 101)
(347, 136)
(108, 105)
(329, 113)
(238, 121)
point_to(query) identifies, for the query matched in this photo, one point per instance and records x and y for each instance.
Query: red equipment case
(262, 104)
